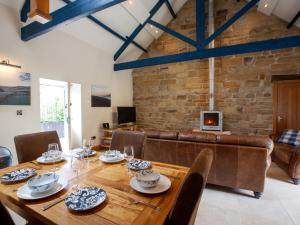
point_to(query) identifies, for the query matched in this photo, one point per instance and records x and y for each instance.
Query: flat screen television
(126, 115)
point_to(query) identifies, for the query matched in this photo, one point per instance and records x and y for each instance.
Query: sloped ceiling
(125, 17)
(122, 18)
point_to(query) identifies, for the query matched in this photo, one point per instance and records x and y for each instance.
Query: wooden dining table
(113, 178)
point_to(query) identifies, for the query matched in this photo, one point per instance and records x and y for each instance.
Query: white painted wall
(57, 56)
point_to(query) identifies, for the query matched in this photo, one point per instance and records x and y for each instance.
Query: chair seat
(283, 152)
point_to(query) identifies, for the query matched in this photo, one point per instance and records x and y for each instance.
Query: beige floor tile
(280, 204)
(217, 215)
(16, 218)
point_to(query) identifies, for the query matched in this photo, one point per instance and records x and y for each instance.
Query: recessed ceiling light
(130, 2)
(266, 5)
(151, 26)
(156, 31)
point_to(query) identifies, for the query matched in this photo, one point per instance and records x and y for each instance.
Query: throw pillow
(291, 137)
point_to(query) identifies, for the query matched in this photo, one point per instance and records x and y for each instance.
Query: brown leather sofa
(239, 161)
(288, 158)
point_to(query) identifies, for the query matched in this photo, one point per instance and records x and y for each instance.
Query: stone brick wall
(171, 96)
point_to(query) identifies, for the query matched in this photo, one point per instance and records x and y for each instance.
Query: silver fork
(135, 201)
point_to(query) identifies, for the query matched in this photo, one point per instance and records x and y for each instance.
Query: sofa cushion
(254, 141)
(197, 137)
(290, 136)
(170, 135)
(152, 134)
(283, 152)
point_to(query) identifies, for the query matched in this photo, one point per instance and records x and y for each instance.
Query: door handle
(279, 118)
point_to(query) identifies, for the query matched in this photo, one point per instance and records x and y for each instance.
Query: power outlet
(19, 112)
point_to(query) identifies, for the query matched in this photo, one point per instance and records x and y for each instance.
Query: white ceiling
(284, 9)
(125, 17)
(122, 18)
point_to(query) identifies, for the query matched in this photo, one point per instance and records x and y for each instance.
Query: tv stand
(106, 134)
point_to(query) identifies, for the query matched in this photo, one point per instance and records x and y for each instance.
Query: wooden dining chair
(124, 138)
(189, 196)
(30, 146)
(5, 216)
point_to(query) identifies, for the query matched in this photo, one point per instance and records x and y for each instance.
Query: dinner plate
(85, 198)
(42, 160)
(86, 154)
(18, 175)
(26, 193)
(137, 164)
(115, 160)
(163, 185)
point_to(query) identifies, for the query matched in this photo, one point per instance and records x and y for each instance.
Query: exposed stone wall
(172, 96)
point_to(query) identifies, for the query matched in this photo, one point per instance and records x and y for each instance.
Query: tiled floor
(280, 204)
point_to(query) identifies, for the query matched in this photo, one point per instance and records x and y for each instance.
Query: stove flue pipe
(211, 29)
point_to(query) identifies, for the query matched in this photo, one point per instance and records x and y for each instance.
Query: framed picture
(101, 96)
(15, 88)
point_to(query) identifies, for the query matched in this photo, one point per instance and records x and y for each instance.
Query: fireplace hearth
(211, 120)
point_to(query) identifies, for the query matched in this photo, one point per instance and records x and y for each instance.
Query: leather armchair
(294, 168)
(288, 158)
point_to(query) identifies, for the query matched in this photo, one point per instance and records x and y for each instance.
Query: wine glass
(83, 144)
(53, 149)
(128, 155)
(77, 165)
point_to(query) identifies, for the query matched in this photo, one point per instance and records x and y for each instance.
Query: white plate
(105, 160)
(163, 185)
(42, 160)
(25, 192)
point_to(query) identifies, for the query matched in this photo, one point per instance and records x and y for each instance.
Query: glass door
(54, 109)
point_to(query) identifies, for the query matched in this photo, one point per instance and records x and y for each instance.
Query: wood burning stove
(211, 120)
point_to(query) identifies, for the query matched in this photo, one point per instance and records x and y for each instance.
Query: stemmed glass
(128, 155)
(77, 165)
(53, 154)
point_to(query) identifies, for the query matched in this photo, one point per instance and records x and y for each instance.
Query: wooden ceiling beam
(71, 12)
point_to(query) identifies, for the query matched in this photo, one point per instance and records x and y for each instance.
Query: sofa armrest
(274, 137)
(294, 167)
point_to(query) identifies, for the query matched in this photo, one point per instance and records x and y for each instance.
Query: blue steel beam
(71, 12)
(173, 33)
(200, 23)
(258, 46)
(171, 9)
(108, 29)
(232, 20)
(138, 29)
(24, 11)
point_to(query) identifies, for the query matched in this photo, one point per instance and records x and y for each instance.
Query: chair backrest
(188, 199)
(5, 216)
(5, 157)
(124, 138)
(31, 146)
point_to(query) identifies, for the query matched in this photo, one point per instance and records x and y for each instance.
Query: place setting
(52, 156)
(80, 198)
(42, 186)
(86, 150)
(144, 180)
(111, 156)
